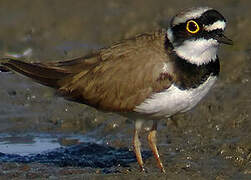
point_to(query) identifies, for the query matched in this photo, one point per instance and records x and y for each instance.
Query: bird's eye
(192, 27)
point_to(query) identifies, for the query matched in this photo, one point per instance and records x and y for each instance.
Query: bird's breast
(174, 100)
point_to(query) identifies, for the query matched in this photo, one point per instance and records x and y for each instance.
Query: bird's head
(196, 34)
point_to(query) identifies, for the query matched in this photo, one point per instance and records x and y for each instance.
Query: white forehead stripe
(190, 14)
(216, 25)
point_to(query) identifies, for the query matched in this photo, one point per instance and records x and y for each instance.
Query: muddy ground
(210, 142)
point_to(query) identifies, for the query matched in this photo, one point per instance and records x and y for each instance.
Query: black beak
(223, 39)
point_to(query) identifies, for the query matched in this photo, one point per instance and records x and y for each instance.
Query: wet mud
(212, 141)
(82, 155)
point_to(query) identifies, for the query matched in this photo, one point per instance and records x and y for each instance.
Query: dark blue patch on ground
(81, 155)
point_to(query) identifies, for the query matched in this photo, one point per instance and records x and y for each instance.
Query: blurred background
(213, 140)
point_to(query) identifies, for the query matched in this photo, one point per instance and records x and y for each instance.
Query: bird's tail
(39, 72)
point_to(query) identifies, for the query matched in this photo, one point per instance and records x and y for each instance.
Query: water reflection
(86, 152)
(38, 143)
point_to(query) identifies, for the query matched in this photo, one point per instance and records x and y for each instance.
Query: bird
(153, 75)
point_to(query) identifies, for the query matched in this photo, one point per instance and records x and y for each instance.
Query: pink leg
(152, 142)
(137, 144)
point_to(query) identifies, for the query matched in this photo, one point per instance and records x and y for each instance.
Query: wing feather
(127, 73)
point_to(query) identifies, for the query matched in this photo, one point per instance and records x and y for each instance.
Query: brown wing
(117, 78)
(121, 76)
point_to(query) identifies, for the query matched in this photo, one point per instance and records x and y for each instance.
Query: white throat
(199, 51)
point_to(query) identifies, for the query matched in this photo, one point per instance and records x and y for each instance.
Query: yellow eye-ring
(192, 27)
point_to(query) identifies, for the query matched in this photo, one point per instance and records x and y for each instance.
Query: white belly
(174, 100)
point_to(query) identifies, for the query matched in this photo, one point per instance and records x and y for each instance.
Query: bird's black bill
(223, 39)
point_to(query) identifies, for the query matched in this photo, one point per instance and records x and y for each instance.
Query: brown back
(122, 76)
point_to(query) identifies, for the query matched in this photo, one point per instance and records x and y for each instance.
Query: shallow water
(63, 151)
(210, 142)
(28, 144)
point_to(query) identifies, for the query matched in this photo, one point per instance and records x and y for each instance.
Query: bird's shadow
(80, 155)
